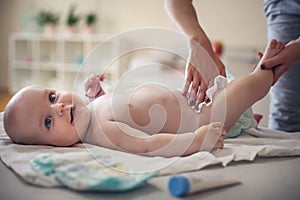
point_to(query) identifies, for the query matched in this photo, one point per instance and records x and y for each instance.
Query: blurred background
(43, 42)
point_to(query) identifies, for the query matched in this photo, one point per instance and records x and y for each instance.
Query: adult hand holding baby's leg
(281, 62)
(211, 136)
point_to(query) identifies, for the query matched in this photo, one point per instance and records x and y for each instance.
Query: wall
(237, 23)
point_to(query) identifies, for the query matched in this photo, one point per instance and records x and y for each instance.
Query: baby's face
(51, 117)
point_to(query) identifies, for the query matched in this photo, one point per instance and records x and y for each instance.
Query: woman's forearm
(183, 15)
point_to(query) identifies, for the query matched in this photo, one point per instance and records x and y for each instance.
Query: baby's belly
(162, 114)
(191, 120)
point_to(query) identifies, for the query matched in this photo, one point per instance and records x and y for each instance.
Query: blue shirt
(280, 12)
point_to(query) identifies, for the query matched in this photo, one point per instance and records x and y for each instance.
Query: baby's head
(37, 115)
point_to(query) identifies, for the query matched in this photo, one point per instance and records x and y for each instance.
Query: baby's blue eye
(47, 122)
(52, 97)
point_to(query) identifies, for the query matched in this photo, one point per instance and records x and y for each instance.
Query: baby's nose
(59, 108)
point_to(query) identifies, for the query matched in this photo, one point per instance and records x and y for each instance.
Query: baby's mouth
(72, 113)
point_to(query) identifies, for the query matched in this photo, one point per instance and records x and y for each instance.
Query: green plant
(72, 18)
(90, 19)
(47, 17)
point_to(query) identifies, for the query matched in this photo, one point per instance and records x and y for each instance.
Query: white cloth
(253, 142)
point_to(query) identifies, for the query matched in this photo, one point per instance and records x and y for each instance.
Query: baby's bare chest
(150, 109)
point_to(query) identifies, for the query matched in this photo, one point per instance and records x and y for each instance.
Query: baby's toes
(273, 44)
(280, 45)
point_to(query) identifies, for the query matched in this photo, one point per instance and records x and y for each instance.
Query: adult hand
(283, 60)
(183, 15)
(194, 87)
(202, 68)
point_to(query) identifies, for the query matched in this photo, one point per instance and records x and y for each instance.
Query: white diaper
(220, 83)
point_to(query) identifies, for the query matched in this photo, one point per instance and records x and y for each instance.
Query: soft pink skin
(92, 86)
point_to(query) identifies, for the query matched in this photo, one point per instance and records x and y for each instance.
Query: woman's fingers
(201, 92)
(194, 90)
(278, 71)
(188, 80)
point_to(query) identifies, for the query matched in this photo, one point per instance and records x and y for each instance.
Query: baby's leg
(243, 92)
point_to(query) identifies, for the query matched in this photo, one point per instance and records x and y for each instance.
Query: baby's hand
(92, 86)
(212, 136)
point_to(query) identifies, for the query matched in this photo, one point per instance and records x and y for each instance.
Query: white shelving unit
(50, 61)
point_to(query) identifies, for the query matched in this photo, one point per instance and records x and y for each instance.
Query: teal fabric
(246, 120)
(80, 171)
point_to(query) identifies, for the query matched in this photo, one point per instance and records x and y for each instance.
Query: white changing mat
(253, 142)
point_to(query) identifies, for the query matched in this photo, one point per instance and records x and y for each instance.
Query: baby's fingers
(91, 81)
(219, 145)
(217, 128)
(216, 125)
(221, 138)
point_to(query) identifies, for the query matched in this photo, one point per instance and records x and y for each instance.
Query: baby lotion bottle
(182, 185)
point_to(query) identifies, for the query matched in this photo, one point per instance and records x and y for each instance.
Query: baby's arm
(128, 139)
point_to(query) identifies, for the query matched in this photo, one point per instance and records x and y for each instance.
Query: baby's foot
(273, 48)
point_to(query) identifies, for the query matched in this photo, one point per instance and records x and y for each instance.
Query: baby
(150, 120)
